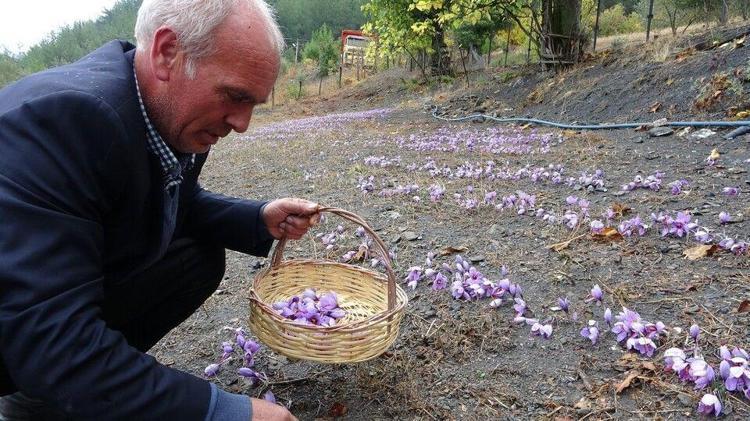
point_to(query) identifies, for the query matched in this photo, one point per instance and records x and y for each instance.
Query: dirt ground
(465, 360)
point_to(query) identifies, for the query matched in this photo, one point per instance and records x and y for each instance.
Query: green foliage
(414, 25)
(322, 49)
(300, 18)
(296, 88)
(10, 69)
(672, 13)
(73, 42)
(614, 21)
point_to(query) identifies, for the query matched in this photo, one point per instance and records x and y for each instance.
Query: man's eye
(235, 97)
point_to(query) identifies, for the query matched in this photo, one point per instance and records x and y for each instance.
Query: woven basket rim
(353, 326)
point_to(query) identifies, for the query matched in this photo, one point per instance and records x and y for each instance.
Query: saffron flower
(674, 359)
(710, 405)
(211, 370)
(734, 369)
(596, 294)
(731, 191)
(268, 396)
(724, 218)
(632, 226)
(440, 281)
(415, 274)
(608, 317)
(638, 334)
(695, 331)
(309, 308)
(538, 329)
(562, 305)
(597, 226)
(591, 332)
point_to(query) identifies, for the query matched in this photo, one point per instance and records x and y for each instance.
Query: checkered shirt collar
(171, 166)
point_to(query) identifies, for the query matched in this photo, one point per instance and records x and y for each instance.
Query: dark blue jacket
(81, 201)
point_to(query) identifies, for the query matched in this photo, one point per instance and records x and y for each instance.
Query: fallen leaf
(744, 307)
(632, 374)
(361, 253)
(670, 81)
(648, 365)
(714, 155)
(583, 403)
(452, 250)
(701, 251)
(607, 234)
(338, 410)
(620, 209)
(655, 107)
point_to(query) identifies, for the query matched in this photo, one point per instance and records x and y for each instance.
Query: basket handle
(278, 252)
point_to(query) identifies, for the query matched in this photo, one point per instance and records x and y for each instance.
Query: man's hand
(290, 218)
(267, 411)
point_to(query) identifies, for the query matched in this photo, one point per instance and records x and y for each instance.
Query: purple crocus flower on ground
(562, 305)
(597, 226)
(724, 218)
(674, 359)
(645, 346)
(519, 306)
(608, 317)
(268, 396)
(700, 372)
(596, 294)
(709, 405)
(695, 331)
(440, 281)
(731, 191)
(211, 370)
(415, 274)
(591, 332)
(545, 331)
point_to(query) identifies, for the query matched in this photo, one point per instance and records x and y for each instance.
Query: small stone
(396, 239)
(410, 236)
(685, 399)
(638, 140)
(660, 131)
(476, 259)
(702, 134)
(429, 314)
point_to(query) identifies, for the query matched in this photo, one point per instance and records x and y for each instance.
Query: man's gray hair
(194, 22)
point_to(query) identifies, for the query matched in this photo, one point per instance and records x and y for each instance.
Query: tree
(322, 49)
(10, 69)
(414, 25)
(300, 18)
(673, 13)
(562, 40)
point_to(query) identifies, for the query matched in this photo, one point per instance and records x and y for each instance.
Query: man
(107, 241)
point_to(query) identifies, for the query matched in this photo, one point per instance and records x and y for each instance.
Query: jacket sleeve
(53, 195)
(234, 223)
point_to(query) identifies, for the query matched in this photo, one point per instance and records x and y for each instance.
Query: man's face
(226, 87)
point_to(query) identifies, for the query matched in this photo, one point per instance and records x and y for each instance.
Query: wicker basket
(374, 305)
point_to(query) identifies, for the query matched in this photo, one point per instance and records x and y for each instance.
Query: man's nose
(239, 119)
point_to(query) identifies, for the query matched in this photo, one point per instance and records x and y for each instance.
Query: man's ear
(165, 53)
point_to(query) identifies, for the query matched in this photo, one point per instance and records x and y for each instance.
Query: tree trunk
(724, 15)
(440, 63)
(561, 40)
